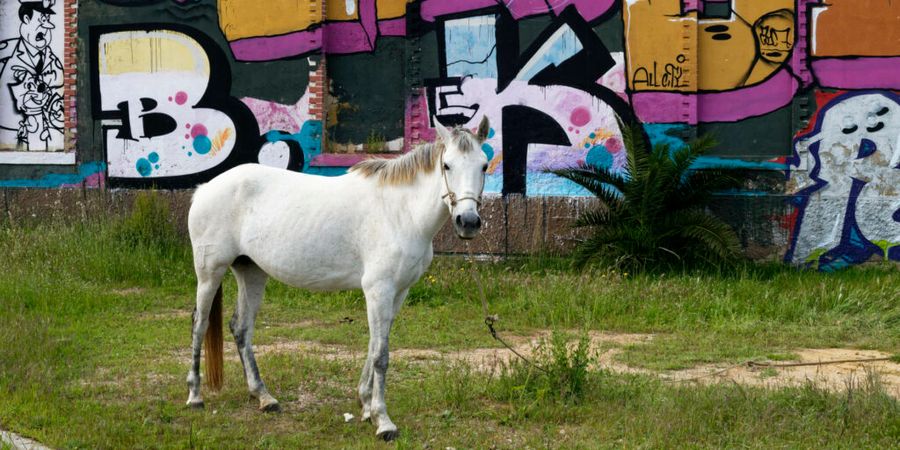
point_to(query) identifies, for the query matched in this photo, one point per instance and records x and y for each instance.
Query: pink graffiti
(731, 106)
(181, 97)
(277, 116)
(589, 9)
(199, 130)
(580, 116)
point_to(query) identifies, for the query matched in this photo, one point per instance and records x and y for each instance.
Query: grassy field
(95, 328)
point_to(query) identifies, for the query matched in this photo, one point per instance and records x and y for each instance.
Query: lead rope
(491, 319)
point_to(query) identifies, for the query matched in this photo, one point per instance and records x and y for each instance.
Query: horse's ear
(442, 131)
(483, 128)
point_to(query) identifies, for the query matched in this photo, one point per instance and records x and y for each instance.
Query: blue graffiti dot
(189, 153)
(598, 156)
(144, 167)
(156, 166)
(587, 145)
(488, 150)
(202, 144)
(491, 133)
(153, 157)
(593, 135)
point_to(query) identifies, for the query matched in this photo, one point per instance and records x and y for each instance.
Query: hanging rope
(491, 319)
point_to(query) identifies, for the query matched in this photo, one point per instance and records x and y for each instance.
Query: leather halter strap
(454, 199)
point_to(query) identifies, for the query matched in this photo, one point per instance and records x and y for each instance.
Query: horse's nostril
(459, 220)
(477, 222)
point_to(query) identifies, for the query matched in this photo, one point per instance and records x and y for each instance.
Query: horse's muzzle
(467, 224)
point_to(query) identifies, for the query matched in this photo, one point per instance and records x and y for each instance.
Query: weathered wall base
(514, 225)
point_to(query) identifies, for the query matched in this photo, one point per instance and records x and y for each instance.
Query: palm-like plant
(654, 213)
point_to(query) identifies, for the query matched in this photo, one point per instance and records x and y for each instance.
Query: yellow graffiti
(157, 51)
(664, 45)
(219, 141)
(240, 19)
(248, 18)
(391, 9)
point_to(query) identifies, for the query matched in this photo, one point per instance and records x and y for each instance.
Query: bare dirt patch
(834, 377)
(607, 346)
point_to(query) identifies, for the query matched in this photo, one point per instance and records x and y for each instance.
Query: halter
(453, 198)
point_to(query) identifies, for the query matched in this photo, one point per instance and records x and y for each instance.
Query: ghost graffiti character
(30, 80)
(852, 200)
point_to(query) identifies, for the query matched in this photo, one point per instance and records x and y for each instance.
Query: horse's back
(296, 227)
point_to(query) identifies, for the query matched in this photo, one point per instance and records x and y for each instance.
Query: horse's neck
(422, 202)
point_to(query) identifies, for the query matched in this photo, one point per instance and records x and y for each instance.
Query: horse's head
(463, 167)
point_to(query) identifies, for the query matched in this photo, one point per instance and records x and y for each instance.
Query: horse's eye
(446, 167)
(484, 168)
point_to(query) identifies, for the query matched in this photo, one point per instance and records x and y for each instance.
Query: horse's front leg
(367, 377)
(380, 300)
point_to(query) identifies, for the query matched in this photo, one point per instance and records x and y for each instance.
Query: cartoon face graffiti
(775, 35)
(858, 141)
(36, 26)
(31, 107)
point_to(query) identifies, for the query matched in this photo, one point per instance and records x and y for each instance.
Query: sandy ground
(834, 377)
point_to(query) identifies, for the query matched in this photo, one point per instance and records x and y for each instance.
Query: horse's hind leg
(209, 285)
(251, 281)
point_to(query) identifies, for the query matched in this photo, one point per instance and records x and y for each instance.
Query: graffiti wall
(32, 106)
(801, 94)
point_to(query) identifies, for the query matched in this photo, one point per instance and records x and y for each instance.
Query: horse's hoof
(267, 403)
(271, 407)
(196, 405)
(388, 435)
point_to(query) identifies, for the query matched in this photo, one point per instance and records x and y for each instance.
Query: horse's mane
(403, 169)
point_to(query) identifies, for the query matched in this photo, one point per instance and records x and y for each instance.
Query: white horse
(371, 228)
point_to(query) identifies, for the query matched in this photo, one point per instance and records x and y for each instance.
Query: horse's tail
(213, 342)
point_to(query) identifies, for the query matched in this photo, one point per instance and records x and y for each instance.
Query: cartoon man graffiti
(851, 205)
(30, 81)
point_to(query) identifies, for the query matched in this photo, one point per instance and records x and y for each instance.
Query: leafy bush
(654, 213)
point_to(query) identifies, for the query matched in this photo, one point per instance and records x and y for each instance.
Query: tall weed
(562, 373)
(148, 225)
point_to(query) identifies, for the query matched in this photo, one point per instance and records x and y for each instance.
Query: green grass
(94, 332)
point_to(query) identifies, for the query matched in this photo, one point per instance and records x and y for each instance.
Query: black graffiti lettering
(125, 127)
(672, 76)
(158, 124)
(523, 125)
(642, 76)
(774, 37)
(148, 104)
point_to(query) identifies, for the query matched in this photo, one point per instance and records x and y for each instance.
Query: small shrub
(148, 224)
(564, 376)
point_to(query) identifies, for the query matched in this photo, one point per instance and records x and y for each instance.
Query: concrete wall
(800, 94)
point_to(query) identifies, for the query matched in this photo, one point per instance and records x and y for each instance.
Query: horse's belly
(321, 264)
